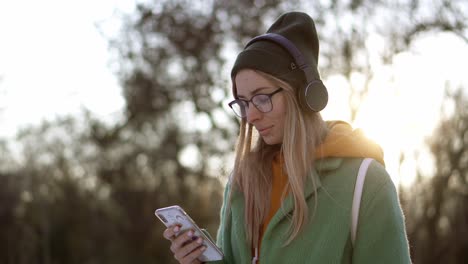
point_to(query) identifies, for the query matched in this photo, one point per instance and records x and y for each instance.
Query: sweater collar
(310, 189)
(312, 185)
(321, 165)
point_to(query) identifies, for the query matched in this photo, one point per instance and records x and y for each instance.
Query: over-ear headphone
(315, 93)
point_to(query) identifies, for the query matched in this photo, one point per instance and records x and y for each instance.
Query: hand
(185, 246)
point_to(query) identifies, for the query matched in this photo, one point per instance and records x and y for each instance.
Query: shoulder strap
(357, 197)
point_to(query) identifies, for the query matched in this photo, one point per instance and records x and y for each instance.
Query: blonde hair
(303, 132)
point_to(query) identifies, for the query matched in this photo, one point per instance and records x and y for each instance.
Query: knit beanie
(270, 57)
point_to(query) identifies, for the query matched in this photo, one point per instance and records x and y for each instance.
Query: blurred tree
(419, 17)
(9, 200)
(2, 95)
(358, 37)
(84, 191)
(58, 212)
(437, 210)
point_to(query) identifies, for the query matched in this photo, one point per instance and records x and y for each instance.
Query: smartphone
(176, 215)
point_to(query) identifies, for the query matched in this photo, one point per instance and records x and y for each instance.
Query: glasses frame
(247, 102)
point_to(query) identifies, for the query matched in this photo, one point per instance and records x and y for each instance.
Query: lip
(264, 131)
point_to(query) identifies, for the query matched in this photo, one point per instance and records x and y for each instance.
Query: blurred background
(111, 109)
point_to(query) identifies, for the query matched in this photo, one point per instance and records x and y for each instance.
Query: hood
(344, 141)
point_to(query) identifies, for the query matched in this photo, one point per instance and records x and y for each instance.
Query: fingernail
(190, 233)
(176, 229)
(199, 240)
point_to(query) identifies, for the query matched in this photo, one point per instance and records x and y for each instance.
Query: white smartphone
(176, 215)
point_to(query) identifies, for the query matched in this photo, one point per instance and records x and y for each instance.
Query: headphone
(315, 92)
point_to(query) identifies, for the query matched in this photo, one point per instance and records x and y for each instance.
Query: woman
(290, 195)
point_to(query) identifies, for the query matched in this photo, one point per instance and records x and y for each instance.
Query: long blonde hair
(303, 132)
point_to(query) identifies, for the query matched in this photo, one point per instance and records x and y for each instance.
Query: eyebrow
(254, 92)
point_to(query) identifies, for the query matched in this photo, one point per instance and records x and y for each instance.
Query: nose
(253, 114)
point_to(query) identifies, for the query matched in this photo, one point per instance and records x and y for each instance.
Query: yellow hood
(343, 141)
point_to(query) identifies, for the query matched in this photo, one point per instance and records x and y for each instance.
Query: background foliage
(84, 191)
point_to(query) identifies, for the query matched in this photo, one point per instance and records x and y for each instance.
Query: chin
(272, 141)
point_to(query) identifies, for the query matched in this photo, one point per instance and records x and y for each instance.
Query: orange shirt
(280, 180)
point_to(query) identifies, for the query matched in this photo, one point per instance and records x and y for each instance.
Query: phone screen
(176, 215)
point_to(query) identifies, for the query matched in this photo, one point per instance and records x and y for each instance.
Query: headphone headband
(285, 43)
(290, 47)
(315, 93)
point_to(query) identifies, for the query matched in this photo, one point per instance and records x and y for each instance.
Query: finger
(187, 248)
(192, 257)
(171, 232)
(181, 240)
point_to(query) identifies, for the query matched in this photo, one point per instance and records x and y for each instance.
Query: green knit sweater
(381, 235)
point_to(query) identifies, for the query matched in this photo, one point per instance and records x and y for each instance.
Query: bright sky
(404, 104)
(54, 62)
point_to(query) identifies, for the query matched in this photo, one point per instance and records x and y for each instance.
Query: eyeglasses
(261, 101)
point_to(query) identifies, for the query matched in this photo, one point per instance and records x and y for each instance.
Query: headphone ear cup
(316, 95)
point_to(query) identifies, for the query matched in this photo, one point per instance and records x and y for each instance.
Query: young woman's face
(270, 125)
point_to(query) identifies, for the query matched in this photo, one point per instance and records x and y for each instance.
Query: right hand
(185, 246)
